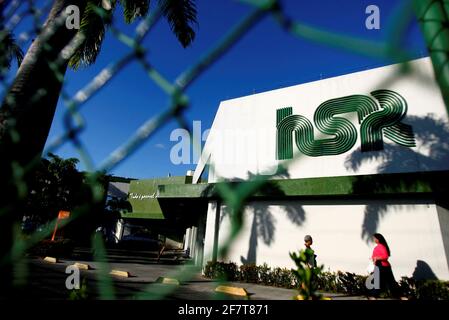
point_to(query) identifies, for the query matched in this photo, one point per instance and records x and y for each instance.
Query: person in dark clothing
(310, 253)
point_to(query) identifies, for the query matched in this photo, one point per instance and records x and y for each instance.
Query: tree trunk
(26, 115)
(33, 117)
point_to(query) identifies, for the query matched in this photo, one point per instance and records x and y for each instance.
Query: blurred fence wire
(433, 17)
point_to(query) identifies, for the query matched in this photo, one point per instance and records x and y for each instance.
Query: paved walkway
(47, 281)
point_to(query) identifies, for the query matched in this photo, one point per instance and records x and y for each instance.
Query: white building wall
(242, 143)
(242, 140)
(412, 231)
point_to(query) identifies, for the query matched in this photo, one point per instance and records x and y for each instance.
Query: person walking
(310, 253)
(380, 256)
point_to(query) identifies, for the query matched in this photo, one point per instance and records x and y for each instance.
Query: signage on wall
(379, 117)
(138, 196)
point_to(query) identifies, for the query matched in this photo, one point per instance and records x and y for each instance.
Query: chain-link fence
(433, 17)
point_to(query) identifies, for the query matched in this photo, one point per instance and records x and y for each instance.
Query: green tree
(9, 50)
(28, 108)
(55, 185)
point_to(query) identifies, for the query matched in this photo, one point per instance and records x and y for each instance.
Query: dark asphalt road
(46, 281)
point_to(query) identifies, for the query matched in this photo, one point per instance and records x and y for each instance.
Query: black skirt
(387, 282)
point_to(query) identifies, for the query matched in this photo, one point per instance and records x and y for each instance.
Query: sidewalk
(51, 277)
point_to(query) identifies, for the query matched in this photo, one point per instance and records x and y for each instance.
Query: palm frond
(9, 50)
(181, 15)
(93, 25)
(134, 9)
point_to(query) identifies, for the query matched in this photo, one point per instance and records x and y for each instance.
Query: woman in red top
(380, 256)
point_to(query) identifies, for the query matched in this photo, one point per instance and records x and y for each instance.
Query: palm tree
(9, 48)
(8, 51)
(30, 104)
(28, 108)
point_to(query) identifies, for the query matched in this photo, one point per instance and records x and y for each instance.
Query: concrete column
(216, 232)
(200, 235)
(187, 247)
(212, 225)
(193, 242)
(118, 231)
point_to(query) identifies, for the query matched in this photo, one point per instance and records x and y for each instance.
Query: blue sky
(266, 58)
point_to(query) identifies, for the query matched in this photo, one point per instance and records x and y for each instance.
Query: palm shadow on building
(263, 222)
(432, 137)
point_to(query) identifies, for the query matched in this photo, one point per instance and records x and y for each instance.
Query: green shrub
(432, 290)
(407, 288)
(306, 276)
(328, 282)
(423, 289)
(265, 275)
(221, 270)
(352, 283)
(249, 273)
(284, 278)
(333, 282)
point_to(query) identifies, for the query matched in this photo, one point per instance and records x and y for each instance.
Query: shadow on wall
(423, 271)
(263, 225)
(432, 139)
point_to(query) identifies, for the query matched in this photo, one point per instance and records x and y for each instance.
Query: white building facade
(348, 156)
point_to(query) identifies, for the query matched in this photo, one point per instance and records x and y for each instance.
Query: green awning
(143, 215)
(412, 184)
(143, 197)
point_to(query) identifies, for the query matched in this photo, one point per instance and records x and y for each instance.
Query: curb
(167, 281)
(82, 266)
(120, 273)
(51, 259)
(236, 291)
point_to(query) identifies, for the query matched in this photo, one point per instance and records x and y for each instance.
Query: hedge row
(333, 282)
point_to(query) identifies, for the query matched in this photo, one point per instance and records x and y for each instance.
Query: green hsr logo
(376, 123)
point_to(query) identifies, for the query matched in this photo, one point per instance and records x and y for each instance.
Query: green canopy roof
(143, 197)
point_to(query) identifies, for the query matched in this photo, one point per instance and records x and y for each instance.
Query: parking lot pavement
(47, 281)
(51, 279)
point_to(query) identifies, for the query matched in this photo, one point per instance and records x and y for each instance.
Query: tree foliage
(9, 49)
(97, 17)
(306, 276)
(56, 185)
